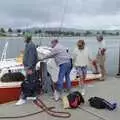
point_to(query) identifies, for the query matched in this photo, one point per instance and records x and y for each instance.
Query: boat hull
(9, 94)
(11, 91)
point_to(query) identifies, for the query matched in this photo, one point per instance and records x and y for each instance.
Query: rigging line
(3, 57)
(63, 15)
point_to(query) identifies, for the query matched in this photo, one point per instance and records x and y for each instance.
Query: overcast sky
(55, 13)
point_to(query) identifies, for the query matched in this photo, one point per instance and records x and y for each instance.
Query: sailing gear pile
(73, 100)
(101, 103)
(15, 76)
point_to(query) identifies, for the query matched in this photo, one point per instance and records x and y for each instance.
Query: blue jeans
(81, 71)
(64, 71)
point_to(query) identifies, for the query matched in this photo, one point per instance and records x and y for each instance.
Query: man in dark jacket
(29, 61)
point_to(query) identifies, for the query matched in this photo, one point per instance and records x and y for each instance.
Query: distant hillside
(56, 31)
(107, 29)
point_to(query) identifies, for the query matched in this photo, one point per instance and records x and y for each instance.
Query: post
(43, 71)
(118, 74)
(46, 88)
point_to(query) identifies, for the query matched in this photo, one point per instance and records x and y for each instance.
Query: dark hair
(100, 37)
(81, 44)
(81, 41)
(55, 40)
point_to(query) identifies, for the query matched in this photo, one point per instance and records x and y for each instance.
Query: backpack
(35, 87)
(73, 100)
(101, 103)
(31, 88)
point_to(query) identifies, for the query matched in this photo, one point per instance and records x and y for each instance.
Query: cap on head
(28, 36)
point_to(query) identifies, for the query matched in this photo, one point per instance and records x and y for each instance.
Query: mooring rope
(50, 112)
(26, 115)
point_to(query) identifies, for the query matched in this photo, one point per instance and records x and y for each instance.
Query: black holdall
(32, 85)
(101, 103)
(35, 87)
(31, 88)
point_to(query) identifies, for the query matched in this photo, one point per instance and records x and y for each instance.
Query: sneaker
(96, 73)
(102, 79)
(31, 98)
(21, 101)
(56, 95)
(83, 92)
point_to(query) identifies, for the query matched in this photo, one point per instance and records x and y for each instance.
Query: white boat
(11, 90)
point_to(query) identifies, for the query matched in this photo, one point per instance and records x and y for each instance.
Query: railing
(112, 60)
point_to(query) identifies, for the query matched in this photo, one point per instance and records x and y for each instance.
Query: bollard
(43, 71)
(46, 80)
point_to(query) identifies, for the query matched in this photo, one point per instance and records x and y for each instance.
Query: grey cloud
(18, 13)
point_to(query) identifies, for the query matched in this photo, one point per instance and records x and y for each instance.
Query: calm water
(17, 44)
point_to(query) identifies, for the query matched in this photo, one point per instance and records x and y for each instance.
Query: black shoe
(96, 73)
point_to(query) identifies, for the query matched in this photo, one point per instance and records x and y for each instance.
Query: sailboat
(10, 89)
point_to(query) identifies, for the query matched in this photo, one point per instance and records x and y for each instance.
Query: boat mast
(40, 41)
(65, 7)
(3, 57)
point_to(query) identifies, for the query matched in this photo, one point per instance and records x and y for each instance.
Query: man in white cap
(100, 57)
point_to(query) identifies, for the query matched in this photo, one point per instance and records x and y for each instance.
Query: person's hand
(41, 59)
(90, 61)
(103, 51)
(29, 71)
(94, 61)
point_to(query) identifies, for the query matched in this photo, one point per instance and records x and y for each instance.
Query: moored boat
(10, 90)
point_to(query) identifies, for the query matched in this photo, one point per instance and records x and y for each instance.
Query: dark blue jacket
(30, 56)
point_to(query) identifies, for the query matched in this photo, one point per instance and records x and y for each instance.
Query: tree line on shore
(41, 32)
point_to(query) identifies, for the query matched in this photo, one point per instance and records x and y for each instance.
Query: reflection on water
(17, 44)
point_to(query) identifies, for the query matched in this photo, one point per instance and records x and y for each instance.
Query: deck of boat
(108, 89)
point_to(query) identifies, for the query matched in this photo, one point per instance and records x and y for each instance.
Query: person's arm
(52, 54)
(90, 56)
(103, 50)
(73, 56)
